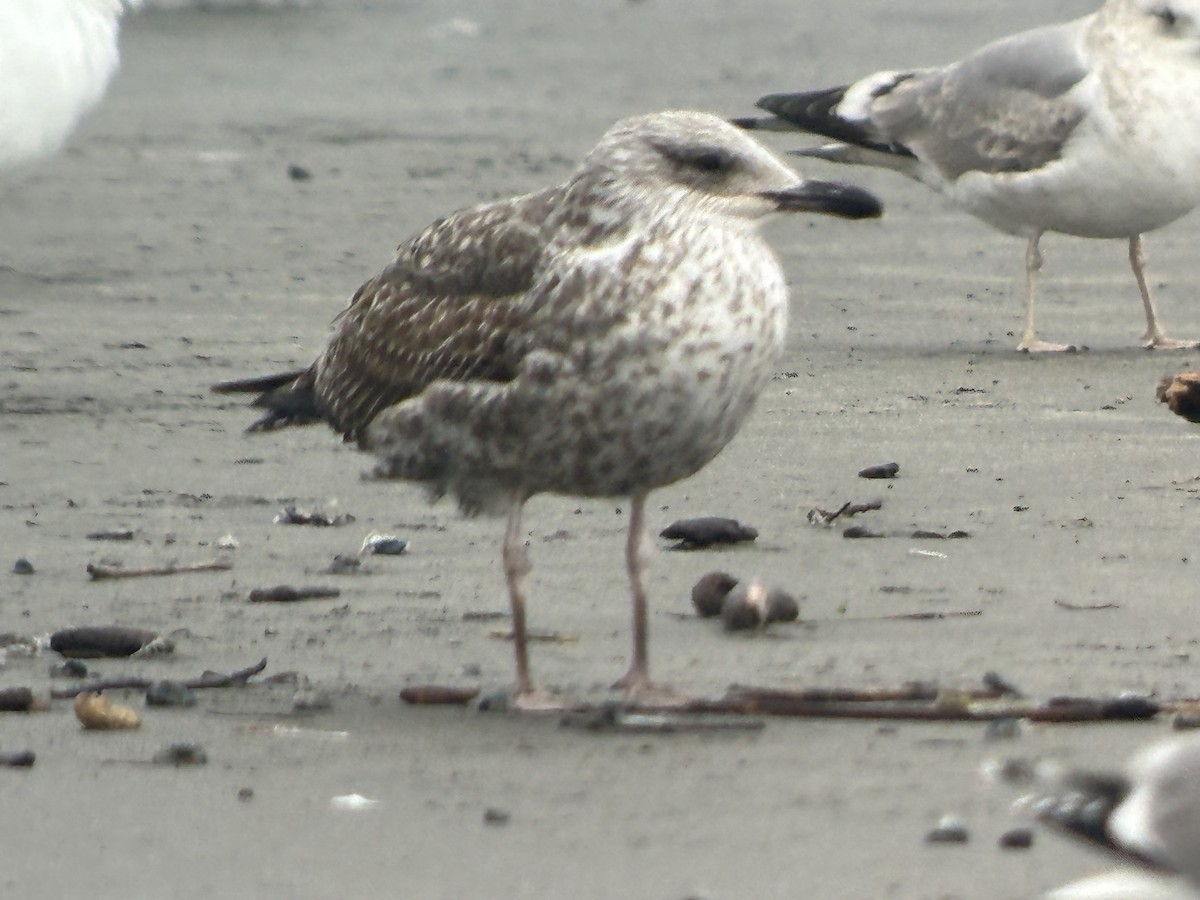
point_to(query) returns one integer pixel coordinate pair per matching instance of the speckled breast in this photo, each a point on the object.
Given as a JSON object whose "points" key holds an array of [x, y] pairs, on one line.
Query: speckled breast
{"points": [[648, 391]]}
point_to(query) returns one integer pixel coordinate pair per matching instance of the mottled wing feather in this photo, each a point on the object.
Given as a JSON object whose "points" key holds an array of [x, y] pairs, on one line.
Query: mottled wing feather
{"points": [[443, 309], [1006, 108]]}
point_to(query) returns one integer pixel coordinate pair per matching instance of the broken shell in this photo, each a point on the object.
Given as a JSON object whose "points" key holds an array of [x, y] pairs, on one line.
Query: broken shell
{"points": [[97, 713], [781, 607], [352, 803], [383, 544], [708, 594], [745, 607]]}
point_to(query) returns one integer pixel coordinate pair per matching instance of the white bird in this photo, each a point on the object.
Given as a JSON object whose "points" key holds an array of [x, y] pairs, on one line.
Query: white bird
{"points": [[599, 338], [1089, 128], [1149, 819], [57, 58]]}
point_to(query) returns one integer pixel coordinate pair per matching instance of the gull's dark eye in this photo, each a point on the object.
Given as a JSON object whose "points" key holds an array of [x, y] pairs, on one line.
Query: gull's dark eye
{"points": [[710, 160], [1165, 15]]}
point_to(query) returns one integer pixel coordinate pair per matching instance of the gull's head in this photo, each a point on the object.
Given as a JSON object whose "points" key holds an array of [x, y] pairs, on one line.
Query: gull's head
{"points": [[1173, 26], [703, 163]]}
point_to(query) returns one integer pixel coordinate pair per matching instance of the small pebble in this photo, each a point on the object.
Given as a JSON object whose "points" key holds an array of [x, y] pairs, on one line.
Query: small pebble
{"points": [[101, 640], [708, 594], [165, 692], [693, 534], [884, 470], [297, 172], [22, 566], [344, 564], [857, 531], [228, 542], [1017, 839], [1002, 729], [499, 700], [311, 700], [19, 759], [181, 753], [111, 534], [1186, 721], [246, 794], [494, 816], [1014, 770], [949, 830], [69, 668]]}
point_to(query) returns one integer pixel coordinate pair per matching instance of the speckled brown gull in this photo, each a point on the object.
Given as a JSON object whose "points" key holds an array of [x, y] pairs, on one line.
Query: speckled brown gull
{"points": [[1148, 819], [1089, 128], [600, 338]]}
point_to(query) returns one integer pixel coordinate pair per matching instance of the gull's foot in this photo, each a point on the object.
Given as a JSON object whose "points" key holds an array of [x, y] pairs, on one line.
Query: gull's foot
{"points": [[641, 692], [535, 700], [1036, 346], [1162, 342]]}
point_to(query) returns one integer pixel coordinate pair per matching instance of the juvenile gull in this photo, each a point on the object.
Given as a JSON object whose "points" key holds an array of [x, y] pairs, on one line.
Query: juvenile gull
{"points": [[1148, 819], [57, 58], [600, 338], [1089, 128]]}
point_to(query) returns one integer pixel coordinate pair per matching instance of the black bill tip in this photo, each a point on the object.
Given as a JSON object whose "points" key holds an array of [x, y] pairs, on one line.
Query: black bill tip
{"points": [[831, 198]]}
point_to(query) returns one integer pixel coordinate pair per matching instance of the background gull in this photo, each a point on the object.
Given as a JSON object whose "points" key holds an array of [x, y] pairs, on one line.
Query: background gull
{"points": [[57, 58], [1149, 820], [599, 338], [1089, 128]]}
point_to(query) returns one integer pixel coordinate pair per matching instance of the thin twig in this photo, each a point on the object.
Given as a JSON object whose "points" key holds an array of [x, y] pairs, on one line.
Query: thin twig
{"points": [[207, 680], [99, 571]]}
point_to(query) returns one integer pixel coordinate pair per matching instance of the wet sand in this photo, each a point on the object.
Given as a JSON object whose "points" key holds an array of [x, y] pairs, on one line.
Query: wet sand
{"points": [[167, 249]]}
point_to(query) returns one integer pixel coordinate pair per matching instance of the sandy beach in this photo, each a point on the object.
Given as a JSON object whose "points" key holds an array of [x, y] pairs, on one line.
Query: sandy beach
{"points": [[168, 248]]}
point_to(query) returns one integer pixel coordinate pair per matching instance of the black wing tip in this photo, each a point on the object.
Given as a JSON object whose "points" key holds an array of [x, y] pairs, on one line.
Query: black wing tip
{"points": [[257, 384], [804, 109]]}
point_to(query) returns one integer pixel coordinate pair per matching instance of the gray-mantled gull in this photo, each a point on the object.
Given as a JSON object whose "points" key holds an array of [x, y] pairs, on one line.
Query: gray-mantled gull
{"points": [[1089, 128], [600, 338], [57, 58], [1148, 819]]}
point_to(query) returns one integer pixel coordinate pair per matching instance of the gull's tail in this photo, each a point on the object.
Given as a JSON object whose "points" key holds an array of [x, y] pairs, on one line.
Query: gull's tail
{"points": [[288, 398]]}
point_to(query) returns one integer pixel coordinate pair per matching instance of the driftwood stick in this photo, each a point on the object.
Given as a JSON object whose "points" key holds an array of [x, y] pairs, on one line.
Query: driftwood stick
{"points": [[961, 709], [912, 691], [207, 680], [99, 572]]}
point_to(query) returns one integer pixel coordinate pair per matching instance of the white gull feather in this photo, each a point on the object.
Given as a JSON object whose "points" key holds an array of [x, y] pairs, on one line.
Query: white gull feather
{"points": [[57, 58]]}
